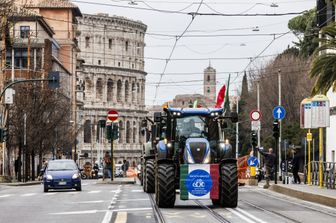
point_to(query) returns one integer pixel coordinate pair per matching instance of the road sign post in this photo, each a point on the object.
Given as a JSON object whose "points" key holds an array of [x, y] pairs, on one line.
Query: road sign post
{"points": [[279, 113], [112, 115]]}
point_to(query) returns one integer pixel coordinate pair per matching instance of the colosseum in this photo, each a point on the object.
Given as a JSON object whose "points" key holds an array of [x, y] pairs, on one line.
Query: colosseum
{"points": [[111, 76]]}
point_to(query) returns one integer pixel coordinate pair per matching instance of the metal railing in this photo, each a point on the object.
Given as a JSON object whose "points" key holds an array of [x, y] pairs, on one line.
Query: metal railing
{"points": [[328, 173]]}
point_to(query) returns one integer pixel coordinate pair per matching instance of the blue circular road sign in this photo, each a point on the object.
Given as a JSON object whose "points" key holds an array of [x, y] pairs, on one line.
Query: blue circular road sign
{"points": [[279, 112], [253, 161]]}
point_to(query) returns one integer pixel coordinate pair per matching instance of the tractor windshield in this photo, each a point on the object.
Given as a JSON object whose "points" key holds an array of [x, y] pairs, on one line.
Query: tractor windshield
{"points": [[192, 126]]}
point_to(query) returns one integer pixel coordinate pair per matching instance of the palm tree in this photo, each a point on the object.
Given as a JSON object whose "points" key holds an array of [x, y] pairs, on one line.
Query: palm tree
{"points": [[323, 67]]}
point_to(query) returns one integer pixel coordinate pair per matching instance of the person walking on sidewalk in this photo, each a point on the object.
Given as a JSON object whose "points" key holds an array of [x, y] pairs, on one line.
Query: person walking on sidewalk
{"points": [[296, 165], [107, 165], [269, 164]]}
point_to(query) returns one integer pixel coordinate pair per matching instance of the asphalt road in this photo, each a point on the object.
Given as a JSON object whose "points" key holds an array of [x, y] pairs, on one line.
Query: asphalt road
{"points": [[105, 203]]}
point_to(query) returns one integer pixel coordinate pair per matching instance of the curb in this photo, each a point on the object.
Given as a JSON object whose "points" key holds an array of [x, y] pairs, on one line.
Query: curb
{"points": [[21, 184], [315, 198]]}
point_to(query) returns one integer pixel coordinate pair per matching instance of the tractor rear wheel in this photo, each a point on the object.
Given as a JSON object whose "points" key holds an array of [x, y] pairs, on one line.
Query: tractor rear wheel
{"points": [[229, 185], [165, 193], [149, 178]]}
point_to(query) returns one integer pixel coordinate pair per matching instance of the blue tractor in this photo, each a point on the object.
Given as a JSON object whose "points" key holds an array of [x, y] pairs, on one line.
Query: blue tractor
{"points": [[187, 151]]}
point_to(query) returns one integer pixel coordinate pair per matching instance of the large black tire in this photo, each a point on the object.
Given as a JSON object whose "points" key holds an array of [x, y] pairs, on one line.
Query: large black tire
{"points": [[149, 180], [229, 185], [45, 188], [165, 192], [79, 187]]}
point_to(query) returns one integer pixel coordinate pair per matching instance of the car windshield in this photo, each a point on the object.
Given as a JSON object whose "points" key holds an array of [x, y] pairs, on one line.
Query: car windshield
{"points": [[192, 126], [61, 165]]}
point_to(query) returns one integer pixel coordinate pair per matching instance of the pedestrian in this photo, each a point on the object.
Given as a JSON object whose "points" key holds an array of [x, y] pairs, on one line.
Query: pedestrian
{"points": [[125, 167], [17, 167], [296, 165], [269, 164], [107, 163]]}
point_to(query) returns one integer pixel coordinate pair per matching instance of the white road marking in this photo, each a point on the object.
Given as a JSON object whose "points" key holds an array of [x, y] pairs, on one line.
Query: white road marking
{"points": [[89, 202], [76, 212], [107, 217], [6, 195], [240, 215], [94, 192], [48, 194], [28, 195], [134, 191], [121, 217], [139, 199], [250, 215], [133, 209]]}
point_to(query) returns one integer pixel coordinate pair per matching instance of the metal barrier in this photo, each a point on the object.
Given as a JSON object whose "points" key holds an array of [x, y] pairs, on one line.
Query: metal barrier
{"points": [[328, 171]]}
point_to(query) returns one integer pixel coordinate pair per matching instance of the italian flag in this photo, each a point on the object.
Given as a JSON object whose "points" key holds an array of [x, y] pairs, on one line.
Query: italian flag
{"points": [[199, 181]]}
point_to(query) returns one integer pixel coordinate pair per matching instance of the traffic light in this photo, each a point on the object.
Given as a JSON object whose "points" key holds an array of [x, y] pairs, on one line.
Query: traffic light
{"points": [[54, 79], [115, 131], [3, 134], [109, 132], [276, 129], [254, 139]]}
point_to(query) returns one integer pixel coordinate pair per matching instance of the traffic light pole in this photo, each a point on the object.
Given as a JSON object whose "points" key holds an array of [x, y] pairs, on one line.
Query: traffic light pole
{"points": [[112, 159], [276, 160]]}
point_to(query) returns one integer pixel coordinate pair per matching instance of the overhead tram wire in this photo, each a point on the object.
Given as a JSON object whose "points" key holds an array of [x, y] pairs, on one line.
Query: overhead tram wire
{"points": [[190, 13], [172, 51]]}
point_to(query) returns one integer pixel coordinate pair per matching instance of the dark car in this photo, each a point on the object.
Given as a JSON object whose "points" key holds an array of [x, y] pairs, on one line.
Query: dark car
{"points": [[62, 174]]}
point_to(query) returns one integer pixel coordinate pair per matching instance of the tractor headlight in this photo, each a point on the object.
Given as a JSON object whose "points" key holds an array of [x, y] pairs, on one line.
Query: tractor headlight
{"points": [[207, 159], [189, 157]]}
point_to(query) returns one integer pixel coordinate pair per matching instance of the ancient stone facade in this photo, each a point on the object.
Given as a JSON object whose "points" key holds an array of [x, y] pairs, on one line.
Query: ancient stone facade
{"points": [[208, 99], [111, 77]]}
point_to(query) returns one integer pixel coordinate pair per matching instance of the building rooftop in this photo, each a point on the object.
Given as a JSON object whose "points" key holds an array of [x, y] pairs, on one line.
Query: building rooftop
{"points": [[60, 4]]}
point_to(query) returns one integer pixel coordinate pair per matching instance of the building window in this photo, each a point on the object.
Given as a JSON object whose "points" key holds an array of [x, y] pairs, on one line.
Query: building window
{"points": [[24, 31], [87, 42], [126, 46], [118, 64], [138, 49], [87, 131], [110, 43], [119, 86], [128, 132], [109, 90], [126, 91], [99, 62], [208, 78], [208, 90], [182, 102], [99, 89], [121, 131]]}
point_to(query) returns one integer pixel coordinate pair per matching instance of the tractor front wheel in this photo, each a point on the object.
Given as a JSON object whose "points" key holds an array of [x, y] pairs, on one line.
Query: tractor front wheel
{"points": [[149, 176], [165, 186], [229, 185]]}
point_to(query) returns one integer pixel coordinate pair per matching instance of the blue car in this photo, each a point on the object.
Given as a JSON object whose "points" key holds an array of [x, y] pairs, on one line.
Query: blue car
{"points": [[62, 174]]}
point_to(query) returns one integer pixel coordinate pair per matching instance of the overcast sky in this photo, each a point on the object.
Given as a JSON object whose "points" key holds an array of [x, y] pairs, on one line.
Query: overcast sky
{"points": [[216, 48]]}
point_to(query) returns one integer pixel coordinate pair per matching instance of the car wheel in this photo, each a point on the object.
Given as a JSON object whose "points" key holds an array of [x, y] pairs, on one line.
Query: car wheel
{"points": [[79, 188], [45, 189]]}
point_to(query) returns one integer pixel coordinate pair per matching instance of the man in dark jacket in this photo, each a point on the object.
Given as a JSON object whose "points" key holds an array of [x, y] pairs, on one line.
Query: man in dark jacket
{"points": [[296, 165], [269, 164]]}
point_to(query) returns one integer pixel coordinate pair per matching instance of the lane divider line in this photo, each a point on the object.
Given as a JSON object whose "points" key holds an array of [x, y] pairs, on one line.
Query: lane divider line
{"points": [[250, 215], [239, 215]]}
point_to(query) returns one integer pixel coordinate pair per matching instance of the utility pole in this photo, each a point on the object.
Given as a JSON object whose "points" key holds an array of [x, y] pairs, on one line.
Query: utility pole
{"points": [[237, 129], [258, 108], [3, 66], [279, 147]]}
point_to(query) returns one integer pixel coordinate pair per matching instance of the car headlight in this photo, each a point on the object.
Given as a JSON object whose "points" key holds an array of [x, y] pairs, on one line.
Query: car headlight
{"points": [[75, 176], [49, 177]]}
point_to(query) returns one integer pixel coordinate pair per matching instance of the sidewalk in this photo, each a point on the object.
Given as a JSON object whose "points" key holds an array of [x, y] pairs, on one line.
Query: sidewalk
{"points": [[29, 183], [118, 180], [309, 193]]}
